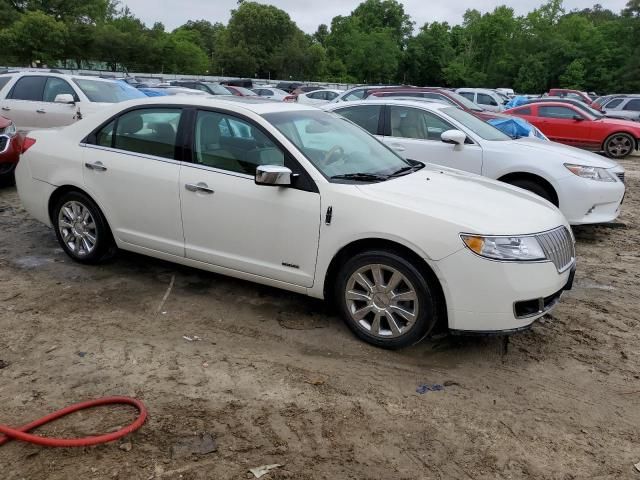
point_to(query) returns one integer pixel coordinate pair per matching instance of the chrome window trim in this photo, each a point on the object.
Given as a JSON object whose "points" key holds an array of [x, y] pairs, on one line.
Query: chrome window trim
{"points": [[167, 160]]}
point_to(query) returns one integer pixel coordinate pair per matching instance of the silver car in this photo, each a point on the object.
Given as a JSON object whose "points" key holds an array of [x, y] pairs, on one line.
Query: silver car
{"points": [[627, 107]]}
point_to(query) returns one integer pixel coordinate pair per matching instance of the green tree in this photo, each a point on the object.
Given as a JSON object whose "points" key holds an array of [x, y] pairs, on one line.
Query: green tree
{"points": [[37, 37]]}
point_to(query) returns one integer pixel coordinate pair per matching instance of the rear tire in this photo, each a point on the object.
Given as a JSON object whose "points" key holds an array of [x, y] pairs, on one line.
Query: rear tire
{"points": [[534, 187], [385, 300], [81, 229], [619, 145]]}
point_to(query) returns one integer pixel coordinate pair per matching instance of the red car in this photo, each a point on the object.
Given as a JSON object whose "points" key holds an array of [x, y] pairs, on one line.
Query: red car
{"points": [[10, 147], [567, 124], [440, 94]]}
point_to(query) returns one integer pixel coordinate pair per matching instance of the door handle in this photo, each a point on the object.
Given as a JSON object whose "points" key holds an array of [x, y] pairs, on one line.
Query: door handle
{"points": [[41, 110], [98, 166], [6, 109], [397, 147], [199, 187]]}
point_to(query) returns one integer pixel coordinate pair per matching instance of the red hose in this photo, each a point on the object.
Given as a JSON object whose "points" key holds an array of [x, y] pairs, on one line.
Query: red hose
{"points": [[20, 433]]}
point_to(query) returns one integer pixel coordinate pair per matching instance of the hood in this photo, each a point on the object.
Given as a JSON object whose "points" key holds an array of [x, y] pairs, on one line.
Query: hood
{"points": [[474, 203], [564, 153], [618, 122]]}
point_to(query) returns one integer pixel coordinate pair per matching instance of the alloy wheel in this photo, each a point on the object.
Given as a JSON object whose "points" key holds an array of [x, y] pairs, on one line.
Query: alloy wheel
{"points": [[382, 301], [620, 146], [77, 228]]}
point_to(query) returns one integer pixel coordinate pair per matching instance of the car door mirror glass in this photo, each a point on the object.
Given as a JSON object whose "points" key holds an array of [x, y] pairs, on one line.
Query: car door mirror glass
{"points": [[275, 175], [455, 137], [64, 98]]}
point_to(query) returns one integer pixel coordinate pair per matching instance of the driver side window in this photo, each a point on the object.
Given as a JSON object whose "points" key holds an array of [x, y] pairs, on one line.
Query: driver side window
{"points": [[230, 143], [407, 122], [557, 112]]}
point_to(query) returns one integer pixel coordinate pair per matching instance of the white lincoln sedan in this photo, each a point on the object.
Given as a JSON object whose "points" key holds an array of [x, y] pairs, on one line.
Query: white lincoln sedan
{"points": [[304, 200], [586, 187]]}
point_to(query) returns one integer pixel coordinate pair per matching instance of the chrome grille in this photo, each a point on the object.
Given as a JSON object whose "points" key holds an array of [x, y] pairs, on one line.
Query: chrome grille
{"points": [[620, 176], [558, 246]]}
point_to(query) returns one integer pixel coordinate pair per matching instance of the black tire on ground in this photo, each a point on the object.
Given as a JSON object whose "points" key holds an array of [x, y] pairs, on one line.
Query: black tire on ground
{"points": [[425, 294], [104, 246], [619, 145], [533, 187]]}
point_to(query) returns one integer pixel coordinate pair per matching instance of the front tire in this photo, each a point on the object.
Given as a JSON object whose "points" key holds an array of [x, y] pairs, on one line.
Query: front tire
{"points": [[385, 300], [619, 145], [81, 229], [533, 187]]}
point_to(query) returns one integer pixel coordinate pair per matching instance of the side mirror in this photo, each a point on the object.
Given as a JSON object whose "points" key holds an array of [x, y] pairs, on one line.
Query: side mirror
{"points": [[456, 137], [65, 98], [578, 118], [274, 175]]}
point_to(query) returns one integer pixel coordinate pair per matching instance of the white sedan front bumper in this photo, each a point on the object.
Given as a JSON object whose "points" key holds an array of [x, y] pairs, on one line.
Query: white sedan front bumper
{"points": [[486, 296]]}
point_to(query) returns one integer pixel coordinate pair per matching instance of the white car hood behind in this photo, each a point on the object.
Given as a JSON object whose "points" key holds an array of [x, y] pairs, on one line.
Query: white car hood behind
{"points": [[476, 204], [571, 154]]}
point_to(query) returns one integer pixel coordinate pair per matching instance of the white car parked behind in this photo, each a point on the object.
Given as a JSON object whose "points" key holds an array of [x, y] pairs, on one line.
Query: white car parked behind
{"points": [[271, 93], [318, 97], [586, 187], [485, 98], [47, 100], [293, 197]]}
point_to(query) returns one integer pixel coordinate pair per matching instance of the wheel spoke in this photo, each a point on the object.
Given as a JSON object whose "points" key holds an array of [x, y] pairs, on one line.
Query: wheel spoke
{"points": [[375, 325], [360, 314], [91, 238], [395, 280], [378, 278], [395, 329], [409, 296], [69, 214], [64, 224], [358, 296], [362, 280], [85, 243], [408, 316]]}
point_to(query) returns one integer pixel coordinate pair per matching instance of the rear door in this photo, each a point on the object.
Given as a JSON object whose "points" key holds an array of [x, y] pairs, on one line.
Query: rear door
{"points": [[415, 134], [130, 168], [23, 103]]}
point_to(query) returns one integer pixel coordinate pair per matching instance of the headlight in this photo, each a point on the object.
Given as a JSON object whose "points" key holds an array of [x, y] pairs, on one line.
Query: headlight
{"points": [[9, 130], [592, 173], [505, 248]]}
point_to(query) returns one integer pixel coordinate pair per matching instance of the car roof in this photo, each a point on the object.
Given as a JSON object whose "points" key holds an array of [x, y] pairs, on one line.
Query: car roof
{"points": [[478, 90], [393, 101], [30, 73], [555, 103], [255, 105]]}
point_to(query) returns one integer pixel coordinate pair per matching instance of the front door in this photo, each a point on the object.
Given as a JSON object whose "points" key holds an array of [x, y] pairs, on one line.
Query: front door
{"points": [[23, 103], [131, 171], [415, 134], [564, 124], [231, 222]]}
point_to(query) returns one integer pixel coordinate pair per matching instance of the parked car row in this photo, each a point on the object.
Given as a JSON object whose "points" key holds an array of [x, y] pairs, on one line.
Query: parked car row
{"points": [[401, 246]]}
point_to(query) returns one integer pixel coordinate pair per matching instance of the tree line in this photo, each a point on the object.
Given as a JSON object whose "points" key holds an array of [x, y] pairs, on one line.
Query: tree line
{"points": [[590, 49]]}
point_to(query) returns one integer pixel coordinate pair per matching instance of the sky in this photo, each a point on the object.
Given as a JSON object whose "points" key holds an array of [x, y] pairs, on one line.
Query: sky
{"points": [[308, 14]]}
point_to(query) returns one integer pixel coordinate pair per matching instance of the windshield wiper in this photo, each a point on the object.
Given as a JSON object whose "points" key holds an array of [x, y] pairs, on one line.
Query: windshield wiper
{"points": [[362, 177], [408, 169]]}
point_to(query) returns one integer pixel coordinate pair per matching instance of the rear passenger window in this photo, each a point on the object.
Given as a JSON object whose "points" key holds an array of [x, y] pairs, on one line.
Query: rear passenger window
{"points": [[150, 131], [28, 88], [365, 116], [614, 103], [229, 143], [633, 105]]}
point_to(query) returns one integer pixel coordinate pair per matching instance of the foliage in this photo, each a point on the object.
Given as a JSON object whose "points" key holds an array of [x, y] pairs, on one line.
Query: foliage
{"points": [[592, 48]]}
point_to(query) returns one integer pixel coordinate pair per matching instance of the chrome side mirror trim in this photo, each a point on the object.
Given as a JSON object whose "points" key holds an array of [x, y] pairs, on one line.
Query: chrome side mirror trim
{"points": [[274, 175]]}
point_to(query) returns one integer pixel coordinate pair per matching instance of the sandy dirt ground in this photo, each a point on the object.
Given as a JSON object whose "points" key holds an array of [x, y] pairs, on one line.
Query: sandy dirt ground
{"points": [[278, 379]]}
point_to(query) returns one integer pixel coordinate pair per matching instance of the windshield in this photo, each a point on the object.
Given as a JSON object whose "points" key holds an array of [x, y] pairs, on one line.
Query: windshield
{"points": [[335, 146], [108, 92], [468, 104], [591, 111], [477, 126], [246, 92], [217, 89]]}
